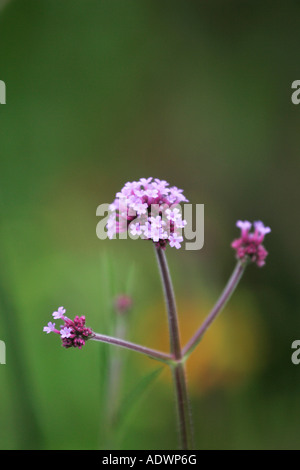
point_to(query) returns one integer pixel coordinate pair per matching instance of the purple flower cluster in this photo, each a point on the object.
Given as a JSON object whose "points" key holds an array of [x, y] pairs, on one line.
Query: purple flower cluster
{"points": [[148, 209], [73, 333], [249, 246], [123, 303]]}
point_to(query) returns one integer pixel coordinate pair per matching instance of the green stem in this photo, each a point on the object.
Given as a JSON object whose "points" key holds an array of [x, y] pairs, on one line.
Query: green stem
{"points": [[179, 380], [152, 353], [220, 304]]}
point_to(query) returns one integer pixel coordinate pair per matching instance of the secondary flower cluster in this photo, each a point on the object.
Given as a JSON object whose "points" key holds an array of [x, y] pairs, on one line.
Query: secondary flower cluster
{"points": [[249, 246], [73, 333], [147, 208]]}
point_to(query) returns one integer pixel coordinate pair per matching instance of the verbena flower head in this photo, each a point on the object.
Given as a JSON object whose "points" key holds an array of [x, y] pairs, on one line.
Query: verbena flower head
{"points": [[148, 209], [123, 303], [73, 333], [249, 246]]}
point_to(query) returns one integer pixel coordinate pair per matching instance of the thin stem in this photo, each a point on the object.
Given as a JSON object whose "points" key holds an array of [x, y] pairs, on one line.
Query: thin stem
{"points": [[115, 374], [170, 303], [183, 406], [182, 401], [114, 380], [159, 356], [220, 304]]}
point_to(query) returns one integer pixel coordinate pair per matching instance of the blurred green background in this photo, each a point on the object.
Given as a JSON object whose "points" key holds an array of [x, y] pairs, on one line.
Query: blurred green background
{"points": [[104, 92]]}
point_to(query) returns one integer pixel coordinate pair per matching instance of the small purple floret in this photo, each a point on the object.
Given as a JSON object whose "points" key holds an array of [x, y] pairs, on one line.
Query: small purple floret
{"points": [[49, 328], [59, 314]]}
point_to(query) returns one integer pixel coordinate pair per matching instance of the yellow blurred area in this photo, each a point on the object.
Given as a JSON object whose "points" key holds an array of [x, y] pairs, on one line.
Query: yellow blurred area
{"points": [[231, 351]]}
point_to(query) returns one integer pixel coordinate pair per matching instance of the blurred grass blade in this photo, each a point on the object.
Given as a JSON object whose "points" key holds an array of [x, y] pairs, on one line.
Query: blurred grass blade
{"points": [[26, 413], [134, 398]]}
